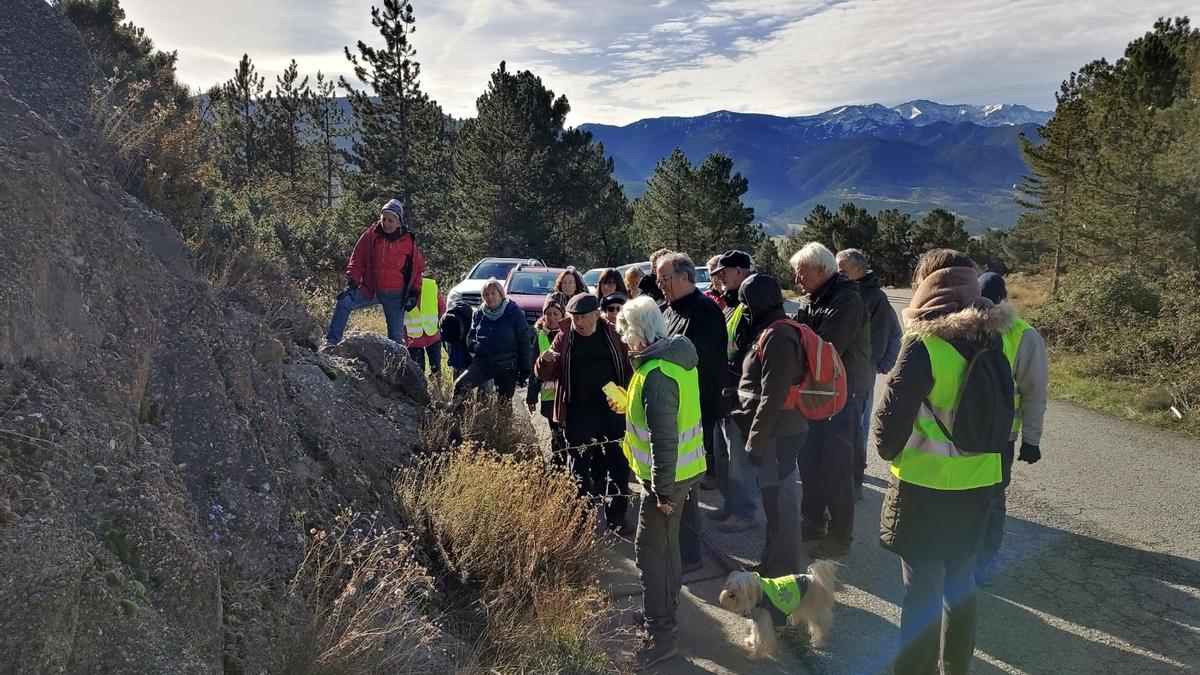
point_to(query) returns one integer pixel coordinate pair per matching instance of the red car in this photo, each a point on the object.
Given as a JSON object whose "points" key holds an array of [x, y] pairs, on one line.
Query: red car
{"points": [[529, 286]]}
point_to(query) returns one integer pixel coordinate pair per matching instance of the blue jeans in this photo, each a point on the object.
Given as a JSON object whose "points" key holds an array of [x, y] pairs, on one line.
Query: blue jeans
{"points": [[735, 474], [348, 301], [860, 450], [435, 357]]}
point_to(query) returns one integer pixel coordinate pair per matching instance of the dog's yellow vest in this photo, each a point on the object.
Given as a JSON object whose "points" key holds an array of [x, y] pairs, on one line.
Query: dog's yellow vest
{"points": [[783, 592]]}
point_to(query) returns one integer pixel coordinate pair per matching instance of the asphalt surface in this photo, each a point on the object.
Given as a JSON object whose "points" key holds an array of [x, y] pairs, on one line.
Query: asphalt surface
{"points": [[1100, 573]]}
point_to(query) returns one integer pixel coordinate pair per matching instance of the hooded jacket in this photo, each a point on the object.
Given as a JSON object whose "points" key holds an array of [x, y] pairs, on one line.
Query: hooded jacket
{"points": [[916, 520], [555, 364], [660, 395], [765, 381], [361, 268], [885, 326], [501, 345], [701, 321], [836, 312]]}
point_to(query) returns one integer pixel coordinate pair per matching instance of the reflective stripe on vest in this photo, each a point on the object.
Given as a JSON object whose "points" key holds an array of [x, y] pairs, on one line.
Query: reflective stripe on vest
{"points": [[929, 459], [783, 592], [548, 388], [731, 331], [422, 320], [689, 460], [1012, 341]]}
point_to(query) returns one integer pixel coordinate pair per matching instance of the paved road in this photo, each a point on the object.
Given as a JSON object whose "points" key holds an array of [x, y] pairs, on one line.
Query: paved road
{"points": [[1101, 566]]}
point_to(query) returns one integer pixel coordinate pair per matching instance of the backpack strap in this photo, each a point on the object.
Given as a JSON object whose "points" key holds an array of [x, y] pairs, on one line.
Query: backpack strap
{"points": [[989, 347]]}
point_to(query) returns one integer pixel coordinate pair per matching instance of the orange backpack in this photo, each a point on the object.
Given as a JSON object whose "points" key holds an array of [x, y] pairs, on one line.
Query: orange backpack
{"points": [[822, 393]]}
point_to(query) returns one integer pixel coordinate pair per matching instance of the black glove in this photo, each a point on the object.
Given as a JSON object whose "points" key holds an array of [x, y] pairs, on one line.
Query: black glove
{"points": [[1029, 453], [411, 300], [755, 458], [523, 378]]}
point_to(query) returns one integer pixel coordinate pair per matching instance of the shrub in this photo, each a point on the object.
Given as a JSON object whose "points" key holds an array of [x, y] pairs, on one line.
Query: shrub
{"points": [[358, 604], [514, 531]]}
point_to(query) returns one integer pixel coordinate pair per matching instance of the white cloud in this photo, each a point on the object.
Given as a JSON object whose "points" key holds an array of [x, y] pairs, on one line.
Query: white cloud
{"points": [[622, 60]]}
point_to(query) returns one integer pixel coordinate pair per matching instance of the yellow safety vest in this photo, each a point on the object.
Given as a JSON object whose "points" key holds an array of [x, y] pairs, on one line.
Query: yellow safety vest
{"points": [[1012, 340], [929, 459], [422, 320], [783, 592], [548, 388], [731, 330], [689, 460]]}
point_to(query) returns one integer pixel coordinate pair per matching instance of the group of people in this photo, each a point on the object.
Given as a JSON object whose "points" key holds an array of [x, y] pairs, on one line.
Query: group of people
{"points": [[689, 390]]}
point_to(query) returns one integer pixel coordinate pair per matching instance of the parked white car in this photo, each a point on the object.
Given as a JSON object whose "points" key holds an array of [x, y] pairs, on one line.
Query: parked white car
{"points": [[470, 289]]}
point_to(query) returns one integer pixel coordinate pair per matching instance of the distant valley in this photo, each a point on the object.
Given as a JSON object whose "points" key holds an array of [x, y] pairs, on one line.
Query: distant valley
{"points": [[913, 157]]}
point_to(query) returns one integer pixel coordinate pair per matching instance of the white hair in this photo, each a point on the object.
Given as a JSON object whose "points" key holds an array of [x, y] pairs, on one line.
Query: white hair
{"points": [[815, 255], [681, 263], [641, 321], [854, 257]]}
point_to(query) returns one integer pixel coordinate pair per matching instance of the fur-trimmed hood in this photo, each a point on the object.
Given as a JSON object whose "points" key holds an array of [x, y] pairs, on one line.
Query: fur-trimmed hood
{"points": [[974, 324]]}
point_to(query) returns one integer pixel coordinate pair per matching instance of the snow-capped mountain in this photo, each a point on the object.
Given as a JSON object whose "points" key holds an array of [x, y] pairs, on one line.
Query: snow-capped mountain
{"points": [[921, 113]]}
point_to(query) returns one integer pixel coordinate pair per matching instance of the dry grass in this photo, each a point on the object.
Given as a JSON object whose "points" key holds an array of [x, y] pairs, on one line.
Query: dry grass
{"points": [[515, 531], [1028, 291], [364, 601]]}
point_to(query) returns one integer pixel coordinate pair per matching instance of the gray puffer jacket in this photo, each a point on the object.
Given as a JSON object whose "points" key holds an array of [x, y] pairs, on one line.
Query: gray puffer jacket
{"points": [[660, 395]]}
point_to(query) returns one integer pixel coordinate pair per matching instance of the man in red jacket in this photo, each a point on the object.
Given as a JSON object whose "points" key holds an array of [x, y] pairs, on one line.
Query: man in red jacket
{"points": [[385, 268]]}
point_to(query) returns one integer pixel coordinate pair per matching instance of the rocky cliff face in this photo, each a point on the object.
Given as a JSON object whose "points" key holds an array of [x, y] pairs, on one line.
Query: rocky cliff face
{"points": [[165, 442]]}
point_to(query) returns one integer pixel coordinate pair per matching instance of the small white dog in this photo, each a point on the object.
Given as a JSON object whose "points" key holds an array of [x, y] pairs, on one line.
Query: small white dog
{"points": [[794, 599]]}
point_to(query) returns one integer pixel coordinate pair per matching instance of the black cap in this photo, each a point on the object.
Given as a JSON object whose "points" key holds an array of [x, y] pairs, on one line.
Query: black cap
{"points": [[733, 258], [617, 298], [582, 304]]}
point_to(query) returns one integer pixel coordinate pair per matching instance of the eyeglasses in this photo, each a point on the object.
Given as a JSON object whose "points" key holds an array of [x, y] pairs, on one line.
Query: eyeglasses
{"points": [[664, 279], [612, 309]]}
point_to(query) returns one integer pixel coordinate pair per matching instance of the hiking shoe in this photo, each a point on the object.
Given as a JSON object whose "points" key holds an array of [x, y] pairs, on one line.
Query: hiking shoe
{"points": [[810, 532], [716, 514], [736, 524], [654, 651], [829, 549]]}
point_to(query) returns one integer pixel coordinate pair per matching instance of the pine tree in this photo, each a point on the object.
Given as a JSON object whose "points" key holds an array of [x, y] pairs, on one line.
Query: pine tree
{"points": [[892, 255], [328, 125], [665, 215], [938, 229], [239, 121], [396, 123], [818, 226], [725, 222], [286, 117], [768, 260]]}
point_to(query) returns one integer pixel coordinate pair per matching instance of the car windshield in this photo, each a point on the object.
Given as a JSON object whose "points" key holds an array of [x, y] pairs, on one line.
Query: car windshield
{"points": [[592, 276], [532, 283], [702, 275], [490, 269]]}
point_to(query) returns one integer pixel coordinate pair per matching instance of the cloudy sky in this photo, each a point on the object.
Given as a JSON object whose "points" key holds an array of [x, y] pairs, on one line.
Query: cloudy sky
{"points": [[618, 61]]}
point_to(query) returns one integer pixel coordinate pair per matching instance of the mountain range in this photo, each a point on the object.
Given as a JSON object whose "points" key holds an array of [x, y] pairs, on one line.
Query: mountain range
{"points": [[913, 157]]}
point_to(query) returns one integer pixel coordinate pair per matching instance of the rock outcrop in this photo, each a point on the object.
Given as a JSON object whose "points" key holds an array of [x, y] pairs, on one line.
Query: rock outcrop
{"points": [[165, 444]]}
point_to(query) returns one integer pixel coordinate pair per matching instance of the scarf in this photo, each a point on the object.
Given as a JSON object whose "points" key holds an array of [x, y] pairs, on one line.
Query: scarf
{"points": [[494, 314], [948, 290]]}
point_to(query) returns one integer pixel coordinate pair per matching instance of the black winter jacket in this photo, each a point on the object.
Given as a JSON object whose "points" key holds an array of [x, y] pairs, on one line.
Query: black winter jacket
{"points": [[916, 520], [885, 327], [836, 312], [701, 321]]}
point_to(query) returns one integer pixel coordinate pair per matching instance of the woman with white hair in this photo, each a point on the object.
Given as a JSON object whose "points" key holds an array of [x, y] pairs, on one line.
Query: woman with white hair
{"points": [[500, 344], [664, 443]]}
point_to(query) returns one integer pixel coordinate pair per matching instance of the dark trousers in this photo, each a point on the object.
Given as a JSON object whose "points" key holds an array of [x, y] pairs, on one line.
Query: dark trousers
{"points": [[435, 357], [656, 550], [593, 434], [827, 471], [689, 534], [783, 552], [993, 534], [477, 374], [937, 620]]}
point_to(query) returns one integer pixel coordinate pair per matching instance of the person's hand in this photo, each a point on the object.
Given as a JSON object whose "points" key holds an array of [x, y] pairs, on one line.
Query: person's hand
{"points": [[755, 458], [410, 301], [1029, 453], [523, 378], [532, 408], [614, 406], [664, 504]]}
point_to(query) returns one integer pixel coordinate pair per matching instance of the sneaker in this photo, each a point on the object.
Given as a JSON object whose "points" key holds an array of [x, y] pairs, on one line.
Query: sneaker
{"points": [[717, 514], [653, 652], [737, 524], [829, 549]]}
